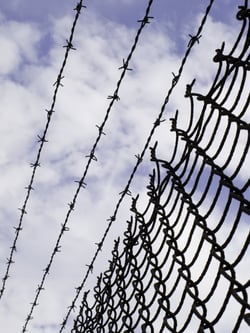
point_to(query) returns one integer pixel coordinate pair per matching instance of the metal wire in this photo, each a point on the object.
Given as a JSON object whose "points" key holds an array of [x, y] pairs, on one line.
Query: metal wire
{"points": [[139, 157], [173, 271], [91, 157], [42, 140]]}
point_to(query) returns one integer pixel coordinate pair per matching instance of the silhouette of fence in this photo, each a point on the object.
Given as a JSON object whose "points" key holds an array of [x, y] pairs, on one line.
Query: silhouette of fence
{"points": [[178, 268]]}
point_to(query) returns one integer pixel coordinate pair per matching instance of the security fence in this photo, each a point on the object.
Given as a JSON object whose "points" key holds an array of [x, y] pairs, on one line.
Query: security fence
{"points": [[179, 265]]}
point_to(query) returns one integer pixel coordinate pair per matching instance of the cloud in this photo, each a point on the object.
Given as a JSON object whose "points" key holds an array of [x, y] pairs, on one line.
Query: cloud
{"points": [[18, 44], [91, 74]]}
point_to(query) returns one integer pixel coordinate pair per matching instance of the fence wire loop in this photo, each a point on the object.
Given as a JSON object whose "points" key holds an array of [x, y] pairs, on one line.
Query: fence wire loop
{"points": [[173, 271]]}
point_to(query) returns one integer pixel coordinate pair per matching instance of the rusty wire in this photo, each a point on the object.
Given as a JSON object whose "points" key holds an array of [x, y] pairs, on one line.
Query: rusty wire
{"points": [[159, 258]]}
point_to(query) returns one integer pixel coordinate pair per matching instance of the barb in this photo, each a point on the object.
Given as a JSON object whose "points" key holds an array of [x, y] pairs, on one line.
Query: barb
{"points": [[157, 122]]}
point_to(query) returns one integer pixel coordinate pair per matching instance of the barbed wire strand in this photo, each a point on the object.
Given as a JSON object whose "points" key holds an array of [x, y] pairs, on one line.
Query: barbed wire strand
{"points": [[120, 295], [42, 140], [91, 157], [126, 191]]}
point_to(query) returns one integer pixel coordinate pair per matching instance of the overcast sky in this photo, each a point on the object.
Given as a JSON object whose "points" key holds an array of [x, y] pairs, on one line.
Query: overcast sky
{"points": [[32, 34]]}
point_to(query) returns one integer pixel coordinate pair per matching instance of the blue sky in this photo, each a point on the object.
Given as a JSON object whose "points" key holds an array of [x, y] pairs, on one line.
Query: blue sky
{"points": [[31, 39], [178, 11]]}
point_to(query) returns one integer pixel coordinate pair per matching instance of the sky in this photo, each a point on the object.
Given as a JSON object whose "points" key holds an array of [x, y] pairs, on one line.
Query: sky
{"points": [[31, 38]]}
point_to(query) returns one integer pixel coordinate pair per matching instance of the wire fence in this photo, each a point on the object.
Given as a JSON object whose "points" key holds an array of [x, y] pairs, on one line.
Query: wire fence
{"points": [[90, 158], [179, 266], [193, 39]]}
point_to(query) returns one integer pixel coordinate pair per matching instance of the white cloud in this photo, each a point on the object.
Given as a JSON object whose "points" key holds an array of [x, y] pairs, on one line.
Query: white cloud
{"points": [[90, 76], [18, 45]]}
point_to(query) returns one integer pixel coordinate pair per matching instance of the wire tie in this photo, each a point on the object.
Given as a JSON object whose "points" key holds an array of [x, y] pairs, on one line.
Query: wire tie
{"points": [[64, 228], [139, 158], [58, 248], [81, 183], [29, 187], [79, 6], [100, 129], [9, 261], [111, 219], [18, 229], [125, 66], [158, 122], [41, 139], [193, 40], [23, 211], [175, 79], [46, 270], [114, 97], [71, 205], [146, 19], [90, 267], [126, 191], [244, 12], [189, 87], [49, 113], [63, 323], [92, 156], [34, 165], [40, 288], [99, 245], [58, 81], [71, 307], [78, 289], [69, 45]]}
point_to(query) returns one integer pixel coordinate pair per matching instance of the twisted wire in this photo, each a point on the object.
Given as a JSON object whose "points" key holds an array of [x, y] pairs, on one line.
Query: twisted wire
{"points": [[91, 157], [42, 141], [173, 271], [139, 157]]}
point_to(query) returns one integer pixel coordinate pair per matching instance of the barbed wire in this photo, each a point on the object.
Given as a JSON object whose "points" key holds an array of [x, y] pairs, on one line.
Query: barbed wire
{"points": [[91, 157], [126, 191], [161, 253], [42, 140]]}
